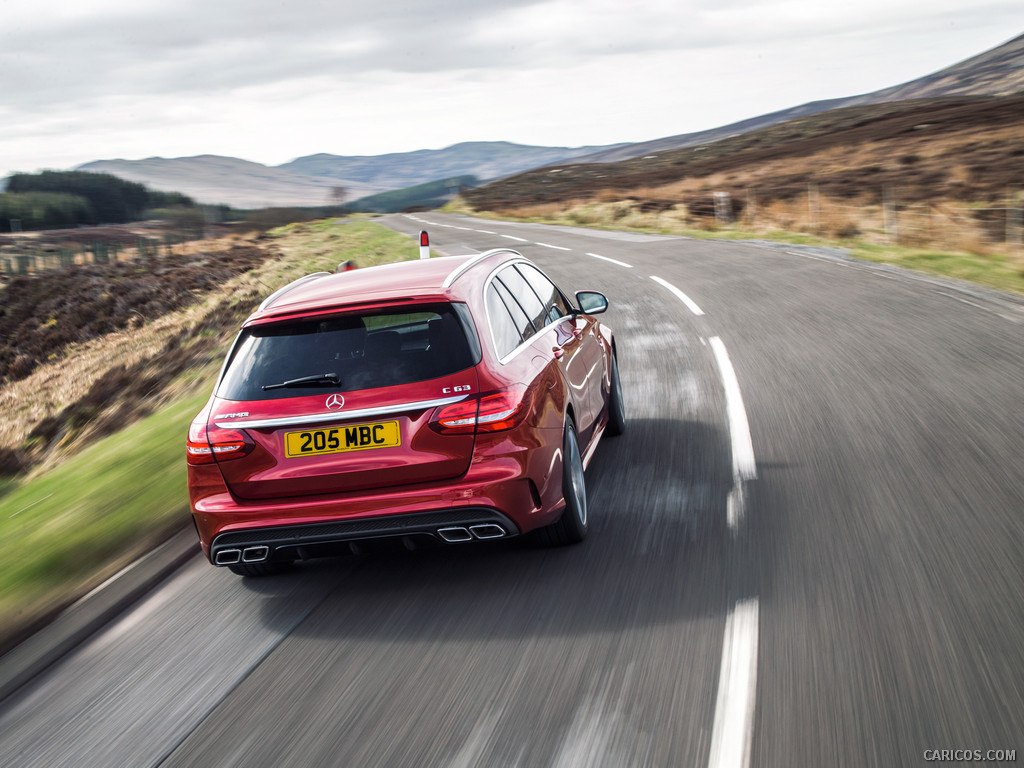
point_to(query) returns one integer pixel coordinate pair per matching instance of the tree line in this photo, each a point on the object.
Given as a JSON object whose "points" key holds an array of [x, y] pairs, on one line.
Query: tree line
{"points": [[61, 199]]}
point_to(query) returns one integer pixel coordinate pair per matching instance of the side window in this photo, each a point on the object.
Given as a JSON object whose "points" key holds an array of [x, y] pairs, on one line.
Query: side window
{"points": [[554, 304], [506, 335], [527, 297], [515, 308]]}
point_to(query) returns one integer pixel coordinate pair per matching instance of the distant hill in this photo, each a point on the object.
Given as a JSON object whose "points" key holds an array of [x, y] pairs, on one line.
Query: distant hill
{"points": [[997, 72], [483, 159], [432, 194], [228, 180], [308, 181]]}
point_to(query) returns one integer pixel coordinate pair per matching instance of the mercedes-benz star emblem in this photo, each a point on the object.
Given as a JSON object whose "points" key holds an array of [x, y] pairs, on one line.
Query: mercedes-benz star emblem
{"points": [[335, 402]]}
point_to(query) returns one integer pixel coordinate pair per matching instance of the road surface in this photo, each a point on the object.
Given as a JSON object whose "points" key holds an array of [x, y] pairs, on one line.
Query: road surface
{"points": [[805, 550]]}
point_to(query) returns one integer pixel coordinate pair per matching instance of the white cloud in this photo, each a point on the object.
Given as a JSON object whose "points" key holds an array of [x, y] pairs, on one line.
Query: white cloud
{"points": [[270, 81]]}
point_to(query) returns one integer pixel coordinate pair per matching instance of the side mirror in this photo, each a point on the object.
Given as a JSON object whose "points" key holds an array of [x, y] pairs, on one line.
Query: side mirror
{"points": [[591, 302]]}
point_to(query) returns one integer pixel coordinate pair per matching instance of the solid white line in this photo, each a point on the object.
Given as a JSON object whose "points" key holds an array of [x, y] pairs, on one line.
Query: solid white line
{"points": [[517, 239], [613, 261], [556, 247], [679, 295], [743, 466], [737, 688]]}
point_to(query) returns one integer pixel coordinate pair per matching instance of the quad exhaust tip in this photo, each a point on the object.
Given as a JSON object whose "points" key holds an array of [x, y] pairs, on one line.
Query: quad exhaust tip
{"points": [[487, 531], [255, 554], [228, 557], [457, 534], [247, 555]]}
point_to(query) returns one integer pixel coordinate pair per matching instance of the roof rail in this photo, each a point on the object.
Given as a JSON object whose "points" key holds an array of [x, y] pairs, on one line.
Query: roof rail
{"points": [[462, 268], [293, 284]]}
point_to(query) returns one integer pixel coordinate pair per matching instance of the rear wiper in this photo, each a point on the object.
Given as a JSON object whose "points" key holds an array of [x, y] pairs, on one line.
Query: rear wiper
{"points": [[319, 378]]}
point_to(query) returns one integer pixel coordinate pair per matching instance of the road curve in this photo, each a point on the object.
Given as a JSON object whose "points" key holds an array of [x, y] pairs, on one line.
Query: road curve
{"points": [[805, 550]]}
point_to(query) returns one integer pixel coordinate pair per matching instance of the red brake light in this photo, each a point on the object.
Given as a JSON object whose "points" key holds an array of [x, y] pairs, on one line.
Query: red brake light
{"points": [[489, 413], [458, 419], [207, 445]]}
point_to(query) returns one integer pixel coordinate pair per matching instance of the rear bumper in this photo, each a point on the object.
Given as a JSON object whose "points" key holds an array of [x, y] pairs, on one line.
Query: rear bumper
{"points": [[296, 542], [513, 489]]}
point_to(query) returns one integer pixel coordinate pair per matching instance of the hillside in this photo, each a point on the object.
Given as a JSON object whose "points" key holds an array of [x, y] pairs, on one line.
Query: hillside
{"points": [[967, 147], [940, 174]]}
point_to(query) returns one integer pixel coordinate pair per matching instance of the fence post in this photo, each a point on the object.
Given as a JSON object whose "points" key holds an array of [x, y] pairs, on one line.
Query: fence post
{"points": [[723, 207], [891, 226], [1015, 219], [813, 206]]}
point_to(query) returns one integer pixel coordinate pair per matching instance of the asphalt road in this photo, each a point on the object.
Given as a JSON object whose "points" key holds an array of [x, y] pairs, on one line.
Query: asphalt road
{"points": [[805, 550]]}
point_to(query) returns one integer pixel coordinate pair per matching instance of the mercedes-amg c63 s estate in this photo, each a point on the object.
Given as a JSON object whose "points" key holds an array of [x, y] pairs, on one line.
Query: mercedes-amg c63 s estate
{"points": [[457, 398]]}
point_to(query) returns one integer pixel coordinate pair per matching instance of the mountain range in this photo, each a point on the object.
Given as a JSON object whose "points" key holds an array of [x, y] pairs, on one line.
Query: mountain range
{"points": [[316, 179]]}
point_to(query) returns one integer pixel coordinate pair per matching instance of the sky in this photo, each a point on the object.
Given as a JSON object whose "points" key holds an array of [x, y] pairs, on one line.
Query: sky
{"points": [[272, 80]]}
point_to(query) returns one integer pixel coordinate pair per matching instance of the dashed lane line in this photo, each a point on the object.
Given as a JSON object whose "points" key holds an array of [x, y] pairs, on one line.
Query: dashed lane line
{"points": [[679, 295], [613, 261], [737, 689]]}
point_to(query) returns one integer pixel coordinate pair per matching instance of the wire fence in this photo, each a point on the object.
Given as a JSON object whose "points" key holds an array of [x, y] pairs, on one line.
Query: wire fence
{"points": [[31, 258], [899, 223]]}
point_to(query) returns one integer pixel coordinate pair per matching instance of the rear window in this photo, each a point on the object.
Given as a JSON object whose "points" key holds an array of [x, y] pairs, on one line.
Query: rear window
{"points": [[348, 352]]}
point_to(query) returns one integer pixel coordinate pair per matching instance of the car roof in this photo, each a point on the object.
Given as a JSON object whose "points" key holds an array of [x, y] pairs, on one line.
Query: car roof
{"points": [[437, 278]]}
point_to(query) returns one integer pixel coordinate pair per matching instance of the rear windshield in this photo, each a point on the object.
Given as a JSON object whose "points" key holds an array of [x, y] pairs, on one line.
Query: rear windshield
{"points": [[347, 352]]}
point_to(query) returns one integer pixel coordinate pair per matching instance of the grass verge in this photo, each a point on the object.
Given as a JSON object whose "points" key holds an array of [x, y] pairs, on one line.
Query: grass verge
{"points": [[72, 523], [1003, 270]]}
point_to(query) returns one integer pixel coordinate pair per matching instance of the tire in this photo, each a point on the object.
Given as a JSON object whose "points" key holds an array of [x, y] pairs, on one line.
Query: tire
{"points": [[256, 570], [616, 407], [572, 526]]}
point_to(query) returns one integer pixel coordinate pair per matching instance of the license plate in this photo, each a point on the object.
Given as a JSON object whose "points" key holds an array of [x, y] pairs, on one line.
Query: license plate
{"points": [[359, 437]]}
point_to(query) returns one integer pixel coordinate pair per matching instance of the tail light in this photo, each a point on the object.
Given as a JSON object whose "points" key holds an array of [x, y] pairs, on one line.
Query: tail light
{"points": [[489, 413], [209, 444]]}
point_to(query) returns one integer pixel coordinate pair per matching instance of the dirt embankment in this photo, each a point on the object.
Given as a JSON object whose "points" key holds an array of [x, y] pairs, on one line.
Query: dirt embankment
{"points": [[87, 348]]}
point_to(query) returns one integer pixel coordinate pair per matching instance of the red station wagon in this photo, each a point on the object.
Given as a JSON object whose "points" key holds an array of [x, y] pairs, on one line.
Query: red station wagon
{"points": [[456, 398]]}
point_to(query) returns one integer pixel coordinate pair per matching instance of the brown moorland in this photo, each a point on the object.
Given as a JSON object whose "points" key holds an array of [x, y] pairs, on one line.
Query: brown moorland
{"points": [[965, 152]]}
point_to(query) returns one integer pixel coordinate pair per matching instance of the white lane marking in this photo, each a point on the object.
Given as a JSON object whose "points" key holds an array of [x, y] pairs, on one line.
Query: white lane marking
{"points": [[485, 232], [743, 465], [679, 295], [737, 688], [556, 247], [613, 261], [517, 239]]}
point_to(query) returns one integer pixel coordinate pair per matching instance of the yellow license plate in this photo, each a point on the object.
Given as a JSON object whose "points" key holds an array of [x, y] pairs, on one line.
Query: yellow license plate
{"points": [[359, 437]]}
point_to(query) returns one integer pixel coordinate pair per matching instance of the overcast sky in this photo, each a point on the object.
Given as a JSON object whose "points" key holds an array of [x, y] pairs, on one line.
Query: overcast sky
{"points": [[270, 81]]}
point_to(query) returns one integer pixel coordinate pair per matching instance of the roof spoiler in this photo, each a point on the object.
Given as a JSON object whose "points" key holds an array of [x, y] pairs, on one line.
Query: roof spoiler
{"points": [[293, 284]]}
